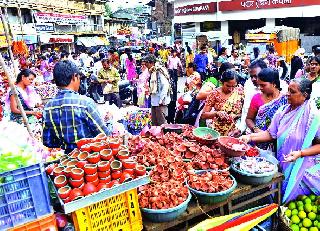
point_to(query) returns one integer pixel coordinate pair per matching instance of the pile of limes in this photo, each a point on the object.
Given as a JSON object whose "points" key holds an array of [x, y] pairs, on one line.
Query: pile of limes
{"points": [[304, 213]]}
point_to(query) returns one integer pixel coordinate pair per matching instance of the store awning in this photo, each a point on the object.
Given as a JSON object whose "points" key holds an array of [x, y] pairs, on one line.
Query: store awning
{"points": [[90, 41]]}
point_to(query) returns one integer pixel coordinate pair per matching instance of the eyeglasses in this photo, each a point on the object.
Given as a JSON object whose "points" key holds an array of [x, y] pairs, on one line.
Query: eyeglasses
{"points": [[314, 64]]}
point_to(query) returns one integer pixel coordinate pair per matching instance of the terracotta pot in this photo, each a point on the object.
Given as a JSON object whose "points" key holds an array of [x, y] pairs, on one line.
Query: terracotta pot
{"points": [[64, 157], [64, 163], [64, 192], [129, 171], [104, 145], [90, 169], [97, 147], [116, 175], [67, 200], [91, 178], [114, 143], [72, 163], [86, 148], [67, 171], [76, 183], [50, 168], [105, 180], [83, 156], [57, 171], [81, 186], [106, 154], [75, 194], [123, 147], [60, 181], [94, 158], [81, 164], [104, 166], [77, 173], [83, 142], [74, 154], [125, 177], [102, 186], [104, 174], [129, 164], [116, 165], [100, 137], [96, 182], [89, 188], [123, 155], [140, 170], [115, 151]]}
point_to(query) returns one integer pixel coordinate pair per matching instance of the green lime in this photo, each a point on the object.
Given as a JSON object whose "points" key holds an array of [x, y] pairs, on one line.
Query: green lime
{"points": [[295, 219], [303, 229], [288, 213], [318, 225], [300, 224], [312, 216], [307, 201], [292, 205], [313, 197], [299, 203], [315, 209], [315, 223], [302, 214], [313, 229], [318, 218], [307, 222], [300, 208], [294, 212], [295, 227], [307, 208]]}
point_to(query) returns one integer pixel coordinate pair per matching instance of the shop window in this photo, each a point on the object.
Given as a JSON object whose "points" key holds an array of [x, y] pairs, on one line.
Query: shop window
{"points": [[210, 26]]}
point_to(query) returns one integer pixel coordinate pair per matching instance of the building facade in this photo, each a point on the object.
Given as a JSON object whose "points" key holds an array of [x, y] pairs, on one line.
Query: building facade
{"points": [[227, 21], [54, 23]]}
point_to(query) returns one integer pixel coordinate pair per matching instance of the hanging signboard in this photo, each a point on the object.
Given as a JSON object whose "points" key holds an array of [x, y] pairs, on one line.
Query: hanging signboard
{"points": [[29, 39], [203, 8], [48, 38], [263, 4], [45, 27], [58, 18]]}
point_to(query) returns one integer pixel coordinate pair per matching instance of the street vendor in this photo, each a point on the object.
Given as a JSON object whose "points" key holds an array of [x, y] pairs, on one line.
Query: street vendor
{"points": [[296, 127], [70, 116], [109, 77]]}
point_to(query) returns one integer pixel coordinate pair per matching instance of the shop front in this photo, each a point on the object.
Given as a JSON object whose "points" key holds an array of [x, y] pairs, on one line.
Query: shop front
{"points": [[57, 42], [30, 40]]}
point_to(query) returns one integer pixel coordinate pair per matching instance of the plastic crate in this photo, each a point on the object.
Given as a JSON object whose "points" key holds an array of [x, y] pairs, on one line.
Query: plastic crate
{"points": [[46, 223], [24, 197], [120, 212]]}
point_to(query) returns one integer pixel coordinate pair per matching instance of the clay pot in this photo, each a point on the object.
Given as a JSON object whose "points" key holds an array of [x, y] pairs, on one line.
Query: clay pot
{"points": [[57, 171], [96, 182], [114, 143], [97, 147], [140, 170], [74, 154], [90, 169], [64, 162], [75, 194], [104, 174], [123, 147], [125, 177], [83, 156], [81, 186], [64, 192], [67, 200], [89, 188], [94, 158], [102, 186], [100, 137], [60, 181], [116, 175], [86, 148], [64, 157], [72, 163], [104, 166], [106, 154], [50, 168], [67, 171], [123, 154], [91, 178], [105, 180], [115, 151], [77, 173], [129, 171], [76, 183], [116, 165], [81, 164], [83, 142], [129, 164]]}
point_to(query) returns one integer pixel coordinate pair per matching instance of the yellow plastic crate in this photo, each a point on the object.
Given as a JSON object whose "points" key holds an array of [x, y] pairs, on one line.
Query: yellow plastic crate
{"points": [[118, 213]]}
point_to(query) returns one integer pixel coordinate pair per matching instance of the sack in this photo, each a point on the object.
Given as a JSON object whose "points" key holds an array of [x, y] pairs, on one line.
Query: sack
{"points": [[191, 114]]}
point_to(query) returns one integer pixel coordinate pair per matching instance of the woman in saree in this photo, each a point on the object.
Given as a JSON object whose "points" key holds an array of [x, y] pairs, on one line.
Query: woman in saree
{"points": [[142, 86], [296, 128], [224, 104], [264, 105]]}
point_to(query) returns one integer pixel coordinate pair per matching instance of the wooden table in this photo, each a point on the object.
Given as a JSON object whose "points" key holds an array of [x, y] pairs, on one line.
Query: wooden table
{"points": [[225, 207]]}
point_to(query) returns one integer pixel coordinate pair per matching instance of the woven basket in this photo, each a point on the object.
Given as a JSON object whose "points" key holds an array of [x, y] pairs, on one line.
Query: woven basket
{"points": [[282, 224]]}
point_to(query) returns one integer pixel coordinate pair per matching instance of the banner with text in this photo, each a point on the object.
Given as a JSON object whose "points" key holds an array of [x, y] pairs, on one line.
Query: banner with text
{"points": [[203, 8], [58, 18]]}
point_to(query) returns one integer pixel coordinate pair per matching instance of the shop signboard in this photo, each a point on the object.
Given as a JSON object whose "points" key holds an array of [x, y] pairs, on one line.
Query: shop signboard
{"points": [[29, 39], [45, 27], [43, 17], [204, 8], [236, 5], [48, 38]]}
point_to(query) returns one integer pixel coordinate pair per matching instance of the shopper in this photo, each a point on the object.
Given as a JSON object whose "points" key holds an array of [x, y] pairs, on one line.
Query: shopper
{"points": [[131, 68], [201, 61], [159, 91], [142, 86], [109, 77], [70, 117], [223, 57]]}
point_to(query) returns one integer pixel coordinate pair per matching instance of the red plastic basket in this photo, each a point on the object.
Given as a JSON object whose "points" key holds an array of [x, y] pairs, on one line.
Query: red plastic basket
{"points": [[46, 223]]}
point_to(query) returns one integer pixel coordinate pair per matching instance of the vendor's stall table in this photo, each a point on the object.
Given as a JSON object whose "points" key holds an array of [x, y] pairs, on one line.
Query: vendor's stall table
{"points": [[225, 207]]}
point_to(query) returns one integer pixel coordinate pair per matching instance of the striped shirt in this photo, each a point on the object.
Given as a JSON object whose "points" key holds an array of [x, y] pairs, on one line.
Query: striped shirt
{"points": [[70, 117]]}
